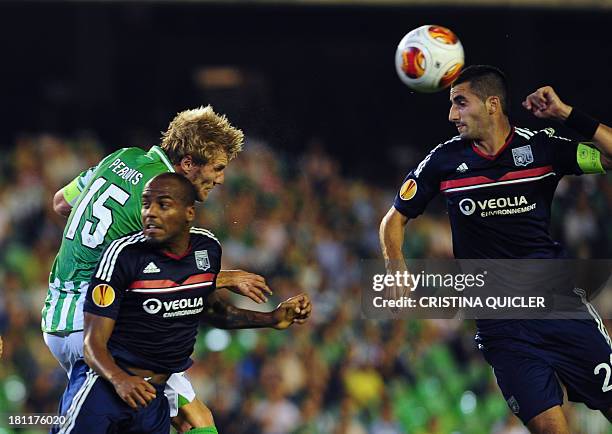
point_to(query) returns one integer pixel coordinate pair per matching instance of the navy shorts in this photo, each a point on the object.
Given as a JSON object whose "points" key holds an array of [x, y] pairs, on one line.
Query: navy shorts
{"points": [[95, 408], [530, 357]]}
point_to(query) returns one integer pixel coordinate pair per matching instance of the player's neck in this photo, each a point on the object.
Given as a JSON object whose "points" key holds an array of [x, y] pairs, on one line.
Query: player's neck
{"points": [[178, 247], [496, 138]]}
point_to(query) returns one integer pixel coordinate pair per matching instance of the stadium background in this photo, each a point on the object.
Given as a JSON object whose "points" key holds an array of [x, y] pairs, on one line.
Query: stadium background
{"points": [[330, 133]]}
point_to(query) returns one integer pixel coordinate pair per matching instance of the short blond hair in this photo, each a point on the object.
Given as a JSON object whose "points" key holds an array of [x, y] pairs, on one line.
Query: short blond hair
{"points": [[201, 133]]}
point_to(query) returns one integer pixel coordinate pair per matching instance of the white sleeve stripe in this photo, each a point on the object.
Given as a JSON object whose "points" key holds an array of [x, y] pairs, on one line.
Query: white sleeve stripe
{"points": [[109, 252], [205, 232], [139, 239], [423, 163], [525, 131], [106, 272], [523, 135]]}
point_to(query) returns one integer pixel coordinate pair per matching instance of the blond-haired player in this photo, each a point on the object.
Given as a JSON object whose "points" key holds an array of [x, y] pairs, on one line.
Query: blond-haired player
{"points": [[103, 204]]}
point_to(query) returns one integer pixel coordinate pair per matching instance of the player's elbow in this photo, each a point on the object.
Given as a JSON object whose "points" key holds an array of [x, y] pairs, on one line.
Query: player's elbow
{"points": [[60, 205]]}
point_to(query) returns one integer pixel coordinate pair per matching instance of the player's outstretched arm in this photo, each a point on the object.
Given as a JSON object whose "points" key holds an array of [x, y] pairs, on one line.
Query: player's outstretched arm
{"points": [[134, 390], [241, 282], [227, 316], [544, 103]]}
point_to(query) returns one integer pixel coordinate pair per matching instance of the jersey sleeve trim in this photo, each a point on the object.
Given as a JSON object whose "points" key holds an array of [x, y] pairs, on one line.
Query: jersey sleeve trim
{"points": [[109, 257], [205, 232], [589, 159], [423, 163]]}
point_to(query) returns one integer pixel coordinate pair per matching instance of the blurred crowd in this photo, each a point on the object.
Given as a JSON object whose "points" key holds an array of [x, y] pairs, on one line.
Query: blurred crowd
{"points": [[300, 222]]}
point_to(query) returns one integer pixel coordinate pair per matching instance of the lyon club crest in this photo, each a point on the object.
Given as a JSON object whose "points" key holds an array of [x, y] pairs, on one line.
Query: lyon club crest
{"points": [[522, 155], [202, 261]]}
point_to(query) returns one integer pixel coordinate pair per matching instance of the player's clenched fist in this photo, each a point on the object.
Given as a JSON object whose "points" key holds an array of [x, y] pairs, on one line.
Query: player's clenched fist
{"points": [[544, 103], [134, 390], [293, 310]]}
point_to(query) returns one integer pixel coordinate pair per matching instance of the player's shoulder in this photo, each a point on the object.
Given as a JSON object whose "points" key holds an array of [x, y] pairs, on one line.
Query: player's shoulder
{"points": [[141, 158], [132, 167], [536, 137], [124, 250], [126, 244], [128, 152], [448, 145], [440, 153], [205, 237], [122, 157]]}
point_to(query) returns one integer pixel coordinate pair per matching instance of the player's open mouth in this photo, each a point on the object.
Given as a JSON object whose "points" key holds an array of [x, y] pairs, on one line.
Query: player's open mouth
{"points": [[151, 229]]}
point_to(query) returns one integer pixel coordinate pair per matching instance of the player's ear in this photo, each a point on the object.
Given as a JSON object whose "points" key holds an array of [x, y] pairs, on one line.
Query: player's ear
{"points": [[190, 213], [493, 104], [186, 164]]}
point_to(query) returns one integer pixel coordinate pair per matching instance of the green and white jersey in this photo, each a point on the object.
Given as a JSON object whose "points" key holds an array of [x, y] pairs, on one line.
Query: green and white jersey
{"points": [[106, 202]]}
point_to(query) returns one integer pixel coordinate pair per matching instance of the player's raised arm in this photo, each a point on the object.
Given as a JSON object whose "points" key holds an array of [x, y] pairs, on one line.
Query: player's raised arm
{"points": [[544, 103], [134, 390], [227, 316]]}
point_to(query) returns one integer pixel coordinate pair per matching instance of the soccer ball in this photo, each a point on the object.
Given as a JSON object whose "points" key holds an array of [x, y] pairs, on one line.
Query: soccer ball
{"points": [[429, 59]]}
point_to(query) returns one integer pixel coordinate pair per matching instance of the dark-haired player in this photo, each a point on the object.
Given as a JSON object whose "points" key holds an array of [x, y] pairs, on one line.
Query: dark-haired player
{"points": [[142, 310], [104, 203], [491, 159]]}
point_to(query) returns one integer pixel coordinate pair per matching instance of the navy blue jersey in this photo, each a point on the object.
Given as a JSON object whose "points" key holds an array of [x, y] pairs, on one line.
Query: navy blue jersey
{"points": [[155, 297], [499, 206]]}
